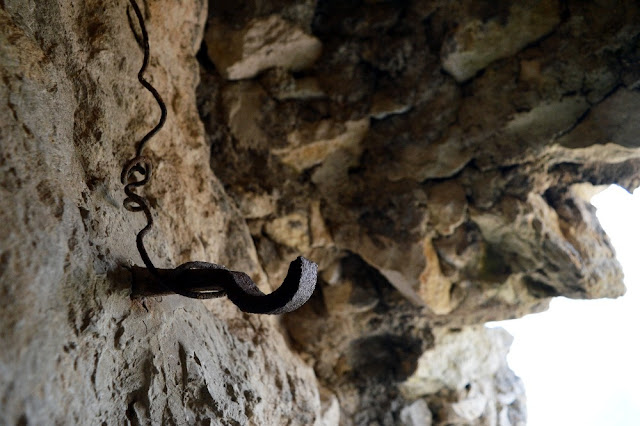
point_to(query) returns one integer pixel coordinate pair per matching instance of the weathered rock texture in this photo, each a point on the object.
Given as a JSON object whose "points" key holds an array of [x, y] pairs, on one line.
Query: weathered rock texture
{"points": [[74, 347], [435, 158]]}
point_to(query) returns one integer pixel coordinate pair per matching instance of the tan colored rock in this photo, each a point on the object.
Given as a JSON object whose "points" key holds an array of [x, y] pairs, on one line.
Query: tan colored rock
{"points": [[384, 106], [400, 264], [614, 153], [447, 204], [291, 230], [441, 159], [262, 44], [283, 86], [483, 171], [394, 150], [303, 88], [243, 102], [475, 44], [435, 288], [256, 206], [320, 235], [314, 153], [75, 348]]}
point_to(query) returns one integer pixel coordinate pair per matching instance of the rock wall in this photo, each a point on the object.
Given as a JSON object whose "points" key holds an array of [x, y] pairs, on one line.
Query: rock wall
{"points": [[434, 158]]}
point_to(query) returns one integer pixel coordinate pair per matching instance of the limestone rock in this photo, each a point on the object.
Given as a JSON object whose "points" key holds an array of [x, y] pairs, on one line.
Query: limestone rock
{"points": [[435, 288], [291, 230], [264, 43], [461, 194], [478, 42], [613, 120], [283, 86], [322, 144], [74, 346], [320, 235], [416, 414], [466, 355], [243, 103], [432, 201], [479, 387], [447, 205]]}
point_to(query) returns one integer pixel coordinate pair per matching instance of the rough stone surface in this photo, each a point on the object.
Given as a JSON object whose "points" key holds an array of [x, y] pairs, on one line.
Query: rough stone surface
{"points": [[264, 43], [495, 34], [75, 348], [434, 158]]}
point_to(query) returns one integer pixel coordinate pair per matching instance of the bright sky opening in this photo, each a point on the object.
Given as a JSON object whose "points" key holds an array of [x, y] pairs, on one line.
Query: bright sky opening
{"points": [[580, 360]]}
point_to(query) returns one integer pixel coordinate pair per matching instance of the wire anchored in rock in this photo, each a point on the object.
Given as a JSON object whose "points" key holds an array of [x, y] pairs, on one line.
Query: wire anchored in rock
{"points": [[199, 280]]}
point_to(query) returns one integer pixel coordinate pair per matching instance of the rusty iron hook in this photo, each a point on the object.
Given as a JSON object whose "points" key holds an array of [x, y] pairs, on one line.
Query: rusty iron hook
{"points": [[199, 280], [203, 280]]}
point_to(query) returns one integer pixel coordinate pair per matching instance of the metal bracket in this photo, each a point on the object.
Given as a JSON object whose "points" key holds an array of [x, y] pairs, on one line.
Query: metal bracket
{"points": [[202, 280]]}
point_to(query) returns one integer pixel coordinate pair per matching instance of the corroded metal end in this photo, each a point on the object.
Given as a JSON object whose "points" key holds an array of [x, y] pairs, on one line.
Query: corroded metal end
{"points": [[202, 280]]}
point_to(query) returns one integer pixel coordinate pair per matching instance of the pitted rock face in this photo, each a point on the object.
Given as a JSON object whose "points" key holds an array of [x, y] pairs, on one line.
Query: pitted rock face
{"points": [[431, 157], [463, 191]]}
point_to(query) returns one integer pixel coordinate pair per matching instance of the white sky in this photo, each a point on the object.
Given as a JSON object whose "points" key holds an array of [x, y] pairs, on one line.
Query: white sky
{"points": [[580, 360]]}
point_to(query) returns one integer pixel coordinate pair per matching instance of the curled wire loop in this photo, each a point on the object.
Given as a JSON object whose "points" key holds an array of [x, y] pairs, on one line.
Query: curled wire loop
{"points": [[140, 166], [137, 172], [202, 280]]}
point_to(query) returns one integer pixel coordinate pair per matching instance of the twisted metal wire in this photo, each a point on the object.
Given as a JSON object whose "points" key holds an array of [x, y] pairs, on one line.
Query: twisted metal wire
{"points": [[188, 279], [141, 165], [137, 172]]}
